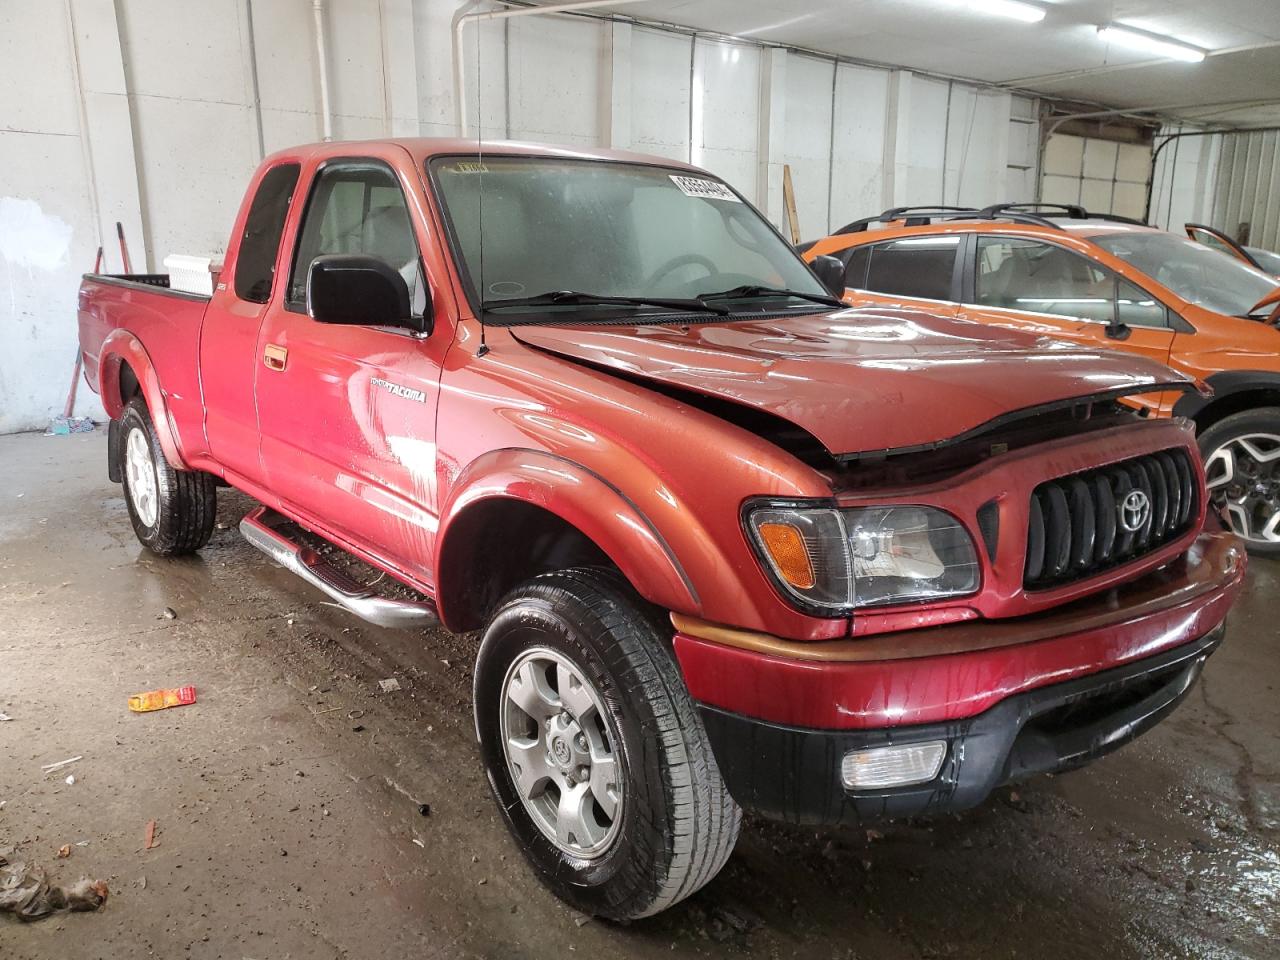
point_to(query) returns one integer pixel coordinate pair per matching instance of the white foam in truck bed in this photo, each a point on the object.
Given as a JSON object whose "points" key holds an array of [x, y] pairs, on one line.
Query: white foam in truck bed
{"points": [[190, 274]]}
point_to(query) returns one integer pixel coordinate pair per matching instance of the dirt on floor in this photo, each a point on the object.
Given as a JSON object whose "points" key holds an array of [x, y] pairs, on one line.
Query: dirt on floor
{"points": [[302, 812]]}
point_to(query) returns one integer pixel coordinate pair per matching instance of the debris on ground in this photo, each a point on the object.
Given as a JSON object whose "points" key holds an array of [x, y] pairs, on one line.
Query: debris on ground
{"points": [[50, 767], [169, 613], [424, 809], [4, 717], [162, 699], [151, 835], [65, 426], [64, 851], [26, 892], [71, 780], [390, 685]]}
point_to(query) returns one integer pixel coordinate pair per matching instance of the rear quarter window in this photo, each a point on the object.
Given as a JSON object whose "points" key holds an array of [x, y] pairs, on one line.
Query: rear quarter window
{"points": [[920, 267], [260, 243]]}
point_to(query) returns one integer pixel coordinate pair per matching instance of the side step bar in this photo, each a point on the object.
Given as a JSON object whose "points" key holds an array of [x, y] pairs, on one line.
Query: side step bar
{"points": [[257, 527]]}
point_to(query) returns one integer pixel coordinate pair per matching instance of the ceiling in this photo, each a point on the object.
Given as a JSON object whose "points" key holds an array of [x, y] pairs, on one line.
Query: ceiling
{"points": [[1060, 56]]}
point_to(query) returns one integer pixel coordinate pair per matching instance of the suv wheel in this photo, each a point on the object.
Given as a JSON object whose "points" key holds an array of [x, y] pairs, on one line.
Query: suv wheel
{"points": [[173, 511], [1242, 467], [594, 750]]}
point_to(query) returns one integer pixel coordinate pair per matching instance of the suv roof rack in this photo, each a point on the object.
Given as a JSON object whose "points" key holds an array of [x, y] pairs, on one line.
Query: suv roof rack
{"points": [[1033, 213], [914, 217], [1072, 211]]}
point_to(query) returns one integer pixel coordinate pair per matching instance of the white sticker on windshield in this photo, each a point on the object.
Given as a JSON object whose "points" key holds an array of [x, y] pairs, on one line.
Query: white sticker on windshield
{"points": [[706, 189]]}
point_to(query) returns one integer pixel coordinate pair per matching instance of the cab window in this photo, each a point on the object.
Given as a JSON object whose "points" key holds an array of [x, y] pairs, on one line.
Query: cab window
{"points": [[358, 207], [260, 243], [918, 267], [1038, 277]]}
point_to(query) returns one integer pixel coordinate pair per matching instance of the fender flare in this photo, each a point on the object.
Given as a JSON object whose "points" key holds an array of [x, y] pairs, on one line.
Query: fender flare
{"points": [[586, 501], [1224, 384], [120, 347]]}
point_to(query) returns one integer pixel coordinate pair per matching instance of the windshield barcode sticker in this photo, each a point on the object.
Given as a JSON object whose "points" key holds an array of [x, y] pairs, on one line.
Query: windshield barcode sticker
{"points": [[706, 189]]}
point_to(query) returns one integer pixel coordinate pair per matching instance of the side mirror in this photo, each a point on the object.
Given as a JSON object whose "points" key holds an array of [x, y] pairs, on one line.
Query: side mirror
{"points": [[830, 271], [359, 290]]}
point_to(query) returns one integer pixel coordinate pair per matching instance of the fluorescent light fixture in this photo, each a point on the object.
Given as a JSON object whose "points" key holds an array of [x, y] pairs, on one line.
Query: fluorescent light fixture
{"points": [[1013, 9], [1150, 43]]}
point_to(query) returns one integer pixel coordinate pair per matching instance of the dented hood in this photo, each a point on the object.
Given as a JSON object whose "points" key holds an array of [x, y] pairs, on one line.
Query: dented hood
{"points": [[862, 380]]}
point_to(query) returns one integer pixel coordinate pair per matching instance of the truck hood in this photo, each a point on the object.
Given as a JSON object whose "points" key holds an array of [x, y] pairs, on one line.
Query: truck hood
{"points": [[863, 380]]}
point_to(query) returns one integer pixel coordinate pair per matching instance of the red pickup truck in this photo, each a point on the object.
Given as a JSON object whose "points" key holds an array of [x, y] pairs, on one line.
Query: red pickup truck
{"points": [[728, 543]]}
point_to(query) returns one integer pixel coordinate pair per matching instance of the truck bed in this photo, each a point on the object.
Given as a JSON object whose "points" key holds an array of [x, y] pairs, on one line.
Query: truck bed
{"points": [[166, 325], [154, 281]]}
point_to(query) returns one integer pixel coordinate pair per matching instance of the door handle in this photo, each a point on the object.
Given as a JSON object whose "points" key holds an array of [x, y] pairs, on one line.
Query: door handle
{"points": [[274, 356]]}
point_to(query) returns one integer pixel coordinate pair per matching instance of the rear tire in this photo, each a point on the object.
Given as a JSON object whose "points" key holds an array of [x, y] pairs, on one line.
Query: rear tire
{"points": [[1242, 466], [172, 511], [659, 824]]}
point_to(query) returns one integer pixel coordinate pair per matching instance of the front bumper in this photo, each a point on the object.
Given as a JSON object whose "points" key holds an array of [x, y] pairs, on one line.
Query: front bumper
{"points": [[1011, 698], [793, 774]]}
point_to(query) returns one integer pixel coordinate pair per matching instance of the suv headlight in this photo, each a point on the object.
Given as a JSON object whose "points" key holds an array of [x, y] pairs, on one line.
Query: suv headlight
{"points": [[833, 560]]}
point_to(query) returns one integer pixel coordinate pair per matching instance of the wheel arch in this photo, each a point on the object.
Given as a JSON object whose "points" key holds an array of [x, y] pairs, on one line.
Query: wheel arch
{"points": [[1234, 391], [535, 511], [125, 370]]}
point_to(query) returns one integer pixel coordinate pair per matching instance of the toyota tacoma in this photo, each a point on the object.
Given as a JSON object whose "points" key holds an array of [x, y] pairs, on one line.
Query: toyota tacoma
{"points": [[727, 543]]}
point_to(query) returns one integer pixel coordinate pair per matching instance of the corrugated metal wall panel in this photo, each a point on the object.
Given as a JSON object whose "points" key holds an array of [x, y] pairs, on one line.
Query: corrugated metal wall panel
{"points": [[1248, 186]]}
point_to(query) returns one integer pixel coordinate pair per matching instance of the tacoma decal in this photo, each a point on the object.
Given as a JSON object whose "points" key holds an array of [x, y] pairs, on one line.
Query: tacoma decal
{"points": [[404, 393]]}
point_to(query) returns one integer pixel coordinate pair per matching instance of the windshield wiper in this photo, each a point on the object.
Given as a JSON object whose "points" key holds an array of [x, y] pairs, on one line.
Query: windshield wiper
{"points": [[577, 298], [751, 290]]}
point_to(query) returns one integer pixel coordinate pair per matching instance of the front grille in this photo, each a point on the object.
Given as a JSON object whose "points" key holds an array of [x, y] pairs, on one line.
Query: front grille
{"points": [[1079, 525]]}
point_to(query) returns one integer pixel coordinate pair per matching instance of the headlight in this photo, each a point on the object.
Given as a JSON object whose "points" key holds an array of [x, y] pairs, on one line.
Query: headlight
{"points": [[834, 560]]}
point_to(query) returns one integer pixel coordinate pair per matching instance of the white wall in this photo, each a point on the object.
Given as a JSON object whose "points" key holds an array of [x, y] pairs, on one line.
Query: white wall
{"points": [[181, 101]]}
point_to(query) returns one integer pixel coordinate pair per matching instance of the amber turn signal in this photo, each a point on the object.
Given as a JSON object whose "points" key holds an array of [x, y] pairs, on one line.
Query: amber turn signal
{"points": [[790, 557]]}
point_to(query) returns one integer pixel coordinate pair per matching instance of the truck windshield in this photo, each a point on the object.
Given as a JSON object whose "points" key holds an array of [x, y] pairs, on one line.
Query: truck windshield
{"points": [[1193, 271], [525, 227]]}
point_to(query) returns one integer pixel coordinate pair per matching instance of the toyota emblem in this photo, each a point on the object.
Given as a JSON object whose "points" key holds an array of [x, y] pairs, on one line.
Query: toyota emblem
{"points": [[1135, 508]]}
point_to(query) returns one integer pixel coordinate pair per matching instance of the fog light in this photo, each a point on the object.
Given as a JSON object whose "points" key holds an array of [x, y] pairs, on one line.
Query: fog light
{"points": [[897, 766]]}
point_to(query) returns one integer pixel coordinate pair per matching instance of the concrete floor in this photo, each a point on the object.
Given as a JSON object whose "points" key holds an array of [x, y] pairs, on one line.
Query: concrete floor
{"points": [[285, 831]]}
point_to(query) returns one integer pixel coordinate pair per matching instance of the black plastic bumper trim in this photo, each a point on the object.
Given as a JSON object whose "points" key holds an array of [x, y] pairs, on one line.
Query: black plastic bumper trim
{"points": [[793, 773]]}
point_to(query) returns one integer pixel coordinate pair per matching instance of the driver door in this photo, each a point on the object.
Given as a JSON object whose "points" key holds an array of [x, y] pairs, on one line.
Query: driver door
{"points": [[348, 412], [1039, 287]]}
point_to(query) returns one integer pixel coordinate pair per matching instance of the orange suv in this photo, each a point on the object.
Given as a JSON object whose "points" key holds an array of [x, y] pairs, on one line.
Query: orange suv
{"points": [[1107, 281]]}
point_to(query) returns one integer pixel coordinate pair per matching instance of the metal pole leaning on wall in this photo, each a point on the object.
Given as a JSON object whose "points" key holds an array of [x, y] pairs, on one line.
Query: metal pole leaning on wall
{"points": [[464, 16], [322, 56]]}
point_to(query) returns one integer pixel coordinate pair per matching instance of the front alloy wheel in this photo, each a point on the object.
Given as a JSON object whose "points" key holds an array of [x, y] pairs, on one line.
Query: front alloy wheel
{"points": [[560, 751], [1242, 472], [594, 749]]}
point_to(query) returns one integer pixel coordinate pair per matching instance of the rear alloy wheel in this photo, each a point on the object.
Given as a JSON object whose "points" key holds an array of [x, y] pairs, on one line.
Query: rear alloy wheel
{"points": [[172, 511], [1242, 470], [594, 748]]}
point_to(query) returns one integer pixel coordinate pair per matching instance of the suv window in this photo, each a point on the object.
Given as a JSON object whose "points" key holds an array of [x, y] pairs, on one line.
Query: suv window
{"points": [[910, 267], [256, 262], [358, 207], [1041, 277]]}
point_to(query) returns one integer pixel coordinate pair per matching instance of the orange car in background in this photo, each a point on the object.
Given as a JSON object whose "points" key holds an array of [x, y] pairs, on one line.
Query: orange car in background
{"points": [[1111, 282]]}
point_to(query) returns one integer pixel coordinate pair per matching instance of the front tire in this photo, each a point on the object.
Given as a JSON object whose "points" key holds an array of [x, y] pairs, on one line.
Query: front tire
{"points": [[172, 511], [594, 750], [1242, 468]]}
